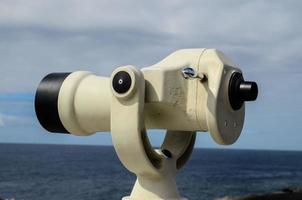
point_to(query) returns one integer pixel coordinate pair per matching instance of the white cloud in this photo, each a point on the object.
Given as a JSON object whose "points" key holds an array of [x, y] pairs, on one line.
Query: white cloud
{"points": [[12, 120], [1, 122]]}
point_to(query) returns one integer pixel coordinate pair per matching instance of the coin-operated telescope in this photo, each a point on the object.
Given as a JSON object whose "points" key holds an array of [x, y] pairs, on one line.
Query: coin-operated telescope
{"points": [[190, 90]]}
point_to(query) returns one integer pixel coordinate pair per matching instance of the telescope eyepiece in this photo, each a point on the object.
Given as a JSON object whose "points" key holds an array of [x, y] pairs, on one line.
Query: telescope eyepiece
{"points": [[248, 90], [241, 91]]}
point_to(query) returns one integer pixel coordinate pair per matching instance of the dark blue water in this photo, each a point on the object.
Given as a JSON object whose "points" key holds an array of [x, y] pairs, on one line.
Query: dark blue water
{"points": [[55, 172]]}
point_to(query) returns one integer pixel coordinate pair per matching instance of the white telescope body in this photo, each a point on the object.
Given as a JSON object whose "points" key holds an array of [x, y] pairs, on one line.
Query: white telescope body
{"points": [[190, 90]]}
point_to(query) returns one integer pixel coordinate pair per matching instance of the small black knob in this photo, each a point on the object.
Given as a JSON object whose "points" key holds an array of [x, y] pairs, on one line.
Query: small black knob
{"points": [[241, 91], [121, 82]]}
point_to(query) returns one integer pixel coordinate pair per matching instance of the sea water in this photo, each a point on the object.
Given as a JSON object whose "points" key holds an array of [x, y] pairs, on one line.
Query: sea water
{"points": [[70, 172]]}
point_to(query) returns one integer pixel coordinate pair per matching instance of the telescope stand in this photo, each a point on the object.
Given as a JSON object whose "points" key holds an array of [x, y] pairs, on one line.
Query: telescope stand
{"points": [[163, 187], [160, 184], [155, 169]]}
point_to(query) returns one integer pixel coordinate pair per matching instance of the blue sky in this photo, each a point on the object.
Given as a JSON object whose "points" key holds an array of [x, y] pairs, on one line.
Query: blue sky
{"points": [[263, 37]]}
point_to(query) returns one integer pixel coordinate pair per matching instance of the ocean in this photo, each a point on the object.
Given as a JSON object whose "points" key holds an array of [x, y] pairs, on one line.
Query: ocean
{"points": [[71, 172]]}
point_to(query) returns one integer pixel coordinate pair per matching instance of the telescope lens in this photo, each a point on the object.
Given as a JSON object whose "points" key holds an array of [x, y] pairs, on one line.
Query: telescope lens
{"points": [[241, 91], [46, 102]]}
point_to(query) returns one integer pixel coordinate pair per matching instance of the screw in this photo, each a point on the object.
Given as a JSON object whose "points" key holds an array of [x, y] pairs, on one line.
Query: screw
{"points": [[167, 153], [190, 73]]}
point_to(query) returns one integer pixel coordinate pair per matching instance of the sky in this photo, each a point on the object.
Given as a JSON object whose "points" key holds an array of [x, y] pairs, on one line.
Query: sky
{"points": [[264, 38]]}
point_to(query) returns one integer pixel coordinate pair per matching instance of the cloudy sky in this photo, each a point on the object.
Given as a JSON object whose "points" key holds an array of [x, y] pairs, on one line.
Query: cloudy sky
{"points": [[263, 37]]}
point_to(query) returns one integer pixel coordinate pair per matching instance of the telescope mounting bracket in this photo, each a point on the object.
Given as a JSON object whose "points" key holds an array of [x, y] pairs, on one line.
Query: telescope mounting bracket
{"points": [[155, 168]]}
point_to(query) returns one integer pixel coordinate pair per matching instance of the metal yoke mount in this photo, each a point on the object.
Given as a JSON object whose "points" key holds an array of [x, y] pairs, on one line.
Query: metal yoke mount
{"points": [[155, 168]]}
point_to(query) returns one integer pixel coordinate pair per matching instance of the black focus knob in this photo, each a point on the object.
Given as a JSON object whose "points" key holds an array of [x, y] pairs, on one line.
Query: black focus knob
{"points": [[241, 91], [121, 82]]}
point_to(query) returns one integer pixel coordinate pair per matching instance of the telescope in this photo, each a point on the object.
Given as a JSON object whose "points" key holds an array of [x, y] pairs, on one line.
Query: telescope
{"points": [[189, 91]]}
